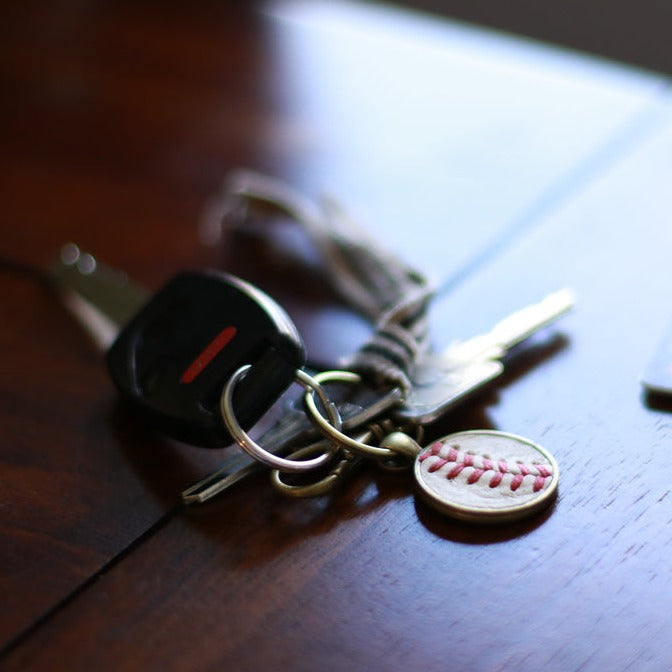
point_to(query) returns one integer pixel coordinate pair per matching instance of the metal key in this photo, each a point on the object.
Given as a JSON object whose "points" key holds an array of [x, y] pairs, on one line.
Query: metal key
{"points": [[101, 298], [442, 380]]}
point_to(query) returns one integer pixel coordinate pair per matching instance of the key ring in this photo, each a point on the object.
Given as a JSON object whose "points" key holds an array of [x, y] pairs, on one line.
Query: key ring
{"points": [[330, 429], [252, 448], [321, 487]]}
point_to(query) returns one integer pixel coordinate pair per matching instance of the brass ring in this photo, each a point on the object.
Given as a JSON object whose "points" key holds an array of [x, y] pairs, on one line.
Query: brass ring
{"points": [[329, 429], [321, 487], [252, 448]]}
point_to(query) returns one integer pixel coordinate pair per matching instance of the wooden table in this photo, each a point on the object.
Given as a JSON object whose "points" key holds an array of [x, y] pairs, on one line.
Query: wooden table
{"points": [[503, 169]]}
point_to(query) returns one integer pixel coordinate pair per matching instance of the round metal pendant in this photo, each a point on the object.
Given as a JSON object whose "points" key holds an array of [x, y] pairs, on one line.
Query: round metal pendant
{"points": [[486, 476]]}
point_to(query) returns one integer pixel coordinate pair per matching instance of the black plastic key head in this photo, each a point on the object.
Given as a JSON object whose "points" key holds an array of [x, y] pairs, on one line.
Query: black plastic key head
{"points": [[173, 359]]}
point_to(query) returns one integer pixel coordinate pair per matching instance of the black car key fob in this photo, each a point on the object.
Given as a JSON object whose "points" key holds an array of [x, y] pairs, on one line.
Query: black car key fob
{"points": [[173, 359]]}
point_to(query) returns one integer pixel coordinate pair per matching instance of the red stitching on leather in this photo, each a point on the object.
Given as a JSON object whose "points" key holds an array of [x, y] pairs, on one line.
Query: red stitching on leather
{"points": [[456, 470], [475, 475], [496, 479], [519, 470], [437, 465]]}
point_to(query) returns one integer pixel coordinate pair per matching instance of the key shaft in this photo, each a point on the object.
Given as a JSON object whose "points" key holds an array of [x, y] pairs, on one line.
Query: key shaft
{"points": [[440, 381], [293, 430], [512, 330], [101, 298]]}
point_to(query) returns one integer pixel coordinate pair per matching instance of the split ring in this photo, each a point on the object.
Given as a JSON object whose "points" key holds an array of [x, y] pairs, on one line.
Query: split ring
{"points": [[329, 429], [316, 488], [252, 448]]}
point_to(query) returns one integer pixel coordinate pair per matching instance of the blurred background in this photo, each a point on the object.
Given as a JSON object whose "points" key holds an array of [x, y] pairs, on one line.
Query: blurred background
{"points": [[121, 115]]}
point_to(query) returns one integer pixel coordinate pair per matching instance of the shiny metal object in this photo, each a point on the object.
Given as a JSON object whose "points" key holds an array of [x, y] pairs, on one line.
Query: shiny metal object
{"points": [[295, 428], [344, 462], [404, 450], [486, 476], [439, 381], [101, 298], [330, 430], [252, 448], [234, 469]]}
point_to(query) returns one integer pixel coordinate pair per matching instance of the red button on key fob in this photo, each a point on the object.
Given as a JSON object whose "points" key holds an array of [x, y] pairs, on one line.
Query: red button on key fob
{"points": [[173, 359]]}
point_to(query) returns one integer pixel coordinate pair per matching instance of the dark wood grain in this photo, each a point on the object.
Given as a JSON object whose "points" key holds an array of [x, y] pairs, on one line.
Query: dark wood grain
{"points": [[92, 97], [504, 170]]}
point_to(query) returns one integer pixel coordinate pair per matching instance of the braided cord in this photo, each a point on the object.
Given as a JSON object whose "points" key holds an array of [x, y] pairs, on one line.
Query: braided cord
{"points": [[391, 295]]}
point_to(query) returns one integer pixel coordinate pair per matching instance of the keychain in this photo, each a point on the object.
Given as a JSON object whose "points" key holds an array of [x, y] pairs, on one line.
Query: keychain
{"points": [[209, 354]]}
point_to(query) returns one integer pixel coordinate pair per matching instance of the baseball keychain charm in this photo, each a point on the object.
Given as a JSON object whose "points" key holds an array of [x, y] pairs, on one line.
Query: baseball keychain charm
{"points": [[478, 476], [486, 476]]}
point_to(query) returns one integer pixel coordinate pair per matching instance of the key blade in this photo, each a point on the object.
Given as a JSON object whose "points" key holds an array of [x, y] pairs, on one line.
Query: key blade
{"points": [[523, 323], [513, 329], [235, 469], [293, 430], [101, 298], [439, 385], [442, 380], [101, 329]]}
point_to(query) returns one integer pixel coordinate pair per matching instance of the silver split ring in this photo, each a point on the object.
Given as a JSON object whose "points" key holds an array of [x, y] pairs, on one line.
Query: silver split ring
{"points": [[252, 448]]}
